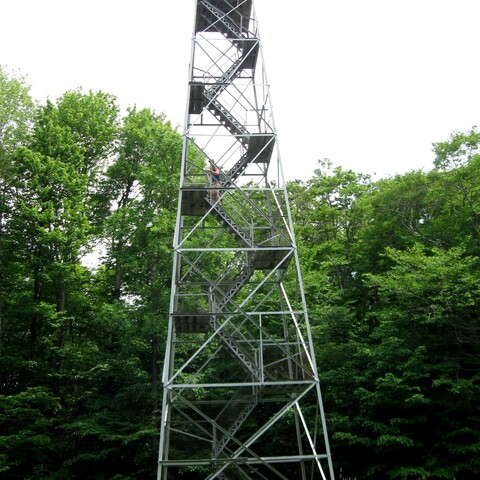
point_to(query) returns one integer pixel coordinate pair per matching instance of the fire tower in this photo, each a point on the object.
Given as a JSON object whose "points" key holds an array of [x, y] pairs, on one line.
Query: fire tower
{"points": [[241, 394]]}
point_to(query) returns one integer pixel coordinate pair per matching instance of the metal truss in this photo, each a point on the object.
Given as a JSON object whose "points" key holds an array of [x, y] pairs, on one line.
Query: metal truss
{"points": [[241, 397]]}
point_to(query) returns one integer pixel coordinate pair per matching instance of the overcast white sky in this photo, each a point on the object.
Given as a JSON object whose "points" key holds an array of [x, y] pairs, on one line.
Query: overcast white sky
{"points": [[368, 84]]}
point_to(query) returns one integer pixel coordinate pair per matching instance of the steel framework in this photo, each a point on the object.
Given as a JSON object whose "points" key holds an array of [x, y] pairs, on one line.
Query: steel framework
{"points": [[241, 394]]}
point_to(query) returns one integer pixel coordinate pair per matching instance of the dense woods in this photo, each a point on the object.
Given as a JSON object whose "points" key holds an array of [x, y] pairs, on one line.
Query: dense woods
{"points": [[87, 210]]}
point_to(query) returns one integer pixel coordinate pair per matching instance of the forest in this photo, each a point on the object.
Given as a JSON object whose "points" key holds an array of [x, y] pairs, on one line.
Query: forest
{"points": [[391, 271]]}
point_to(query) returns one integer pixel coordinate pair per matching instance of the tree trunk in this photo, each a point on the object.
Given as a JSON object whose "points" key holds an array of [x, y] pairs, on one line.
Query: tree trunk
{"points": [[61, 298], [155, 371]]}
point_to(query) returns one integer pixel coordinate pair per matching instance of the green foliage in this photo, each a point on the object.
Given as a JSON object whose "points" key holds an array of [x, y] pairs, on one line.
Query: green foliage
{"points": [[392, 285], [27, 441], [79, 370], [16, 114], [142, 185], [459, 161]]}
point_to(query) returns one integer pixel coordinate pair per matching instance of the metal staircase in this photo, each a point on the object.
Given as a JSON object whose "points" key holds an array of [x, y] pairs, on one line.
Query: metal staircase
{"points": [[229, 224], [240, 281], [231, 412], [239, 362]]}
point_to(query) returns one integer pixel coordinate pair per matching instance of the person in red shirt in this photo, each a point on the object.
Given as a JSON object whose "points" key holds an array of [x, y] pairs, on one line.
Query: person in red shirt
{"points": [[216, 183]]}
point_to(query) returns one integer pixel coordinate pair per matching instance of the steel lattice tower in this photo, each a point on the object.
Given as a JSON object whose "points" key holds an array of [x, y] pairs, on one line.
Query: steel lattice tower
{"points": [[241, 397]]}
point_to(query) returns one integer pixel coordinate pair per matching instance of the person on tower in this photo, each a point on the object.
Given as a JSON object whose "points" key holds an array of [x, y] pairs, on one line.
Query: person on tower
{"points": [[215, 181]]}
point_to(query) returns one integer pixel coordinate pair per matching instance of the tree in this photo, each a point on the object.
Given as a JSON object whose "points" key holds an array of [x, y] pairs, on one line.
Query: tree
{"points": [[459, 161], [49, 221], [327, 213], [16, 114], [47, 229], [143, 186], [330, 213], [424, 364], [397, 339]]}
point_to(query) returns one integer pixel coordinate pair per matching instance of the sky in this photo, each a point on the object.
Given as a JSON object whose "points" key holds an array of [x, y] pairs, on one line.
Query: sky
{"points": [[369, 84]]}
